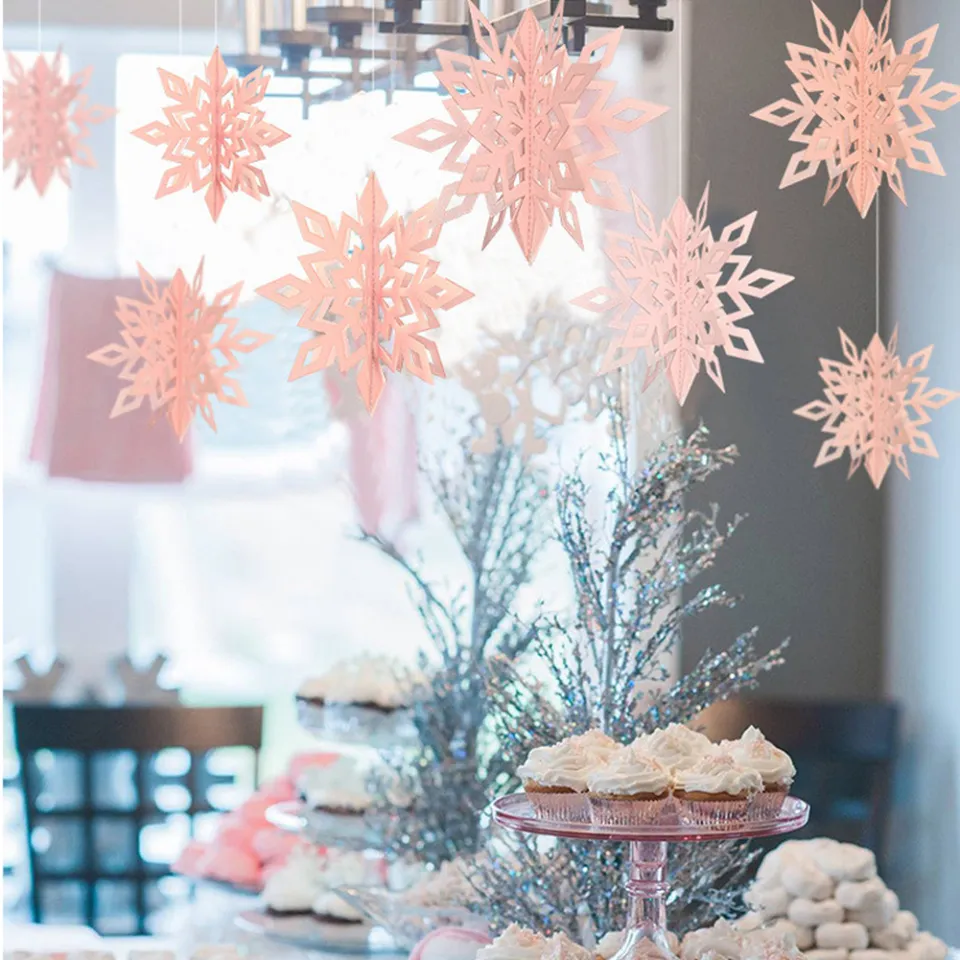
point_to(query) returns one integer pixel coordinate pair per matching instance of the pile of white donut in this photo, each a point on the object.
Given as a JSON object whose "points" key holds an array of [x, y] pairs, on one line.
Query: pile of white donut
{"points": [[828, 896]]}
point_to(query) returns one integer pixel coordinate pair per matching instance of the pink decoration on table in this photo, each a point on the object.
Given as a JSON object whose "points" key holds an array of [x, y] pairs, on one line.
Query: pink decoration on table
{"points": [[679, 294], [73, 436], [191, 859], [215, 134], [45, 121], [270, 844], [861, 108], [178, 350], [450, 943], [232, 865], [370, 293], [875, 407], [528, 129], [304, 760], [253, 810], [278, 789]]}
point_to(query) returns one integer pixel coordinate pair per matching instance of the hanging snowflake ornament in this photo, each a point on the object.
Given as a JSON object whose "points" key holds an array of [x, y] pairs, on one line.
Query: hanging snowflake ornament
{"points": [[875, 407], [370, 293], [528, 128], [679, 294], [861, 108], [528, 383], [45, 121], [178, 351], [215, 134]]}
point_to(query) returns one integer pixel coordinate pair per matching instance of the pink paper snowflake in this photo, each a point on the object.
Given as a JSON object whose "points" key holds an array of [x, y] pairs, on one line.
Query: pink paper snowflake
{"points": [[680, 295], [370, 293], [215, 134], [861, 108], [178, 351], [875, 407], [528, 129], [45, 120]]}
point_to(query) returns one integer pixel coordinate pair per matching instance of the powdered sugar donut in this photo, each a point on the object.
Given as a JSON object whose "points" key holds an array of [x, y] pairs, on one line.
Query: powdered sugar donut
{"points": [[846, 861], [811, 913], [450, 943], [804, 879], [834, 954], [767, 900], [878, 915], [925, 946], [722, 940], [783, 931], [897, 933], [749, 922], [849, 936], [860, 894], [869, 954]]}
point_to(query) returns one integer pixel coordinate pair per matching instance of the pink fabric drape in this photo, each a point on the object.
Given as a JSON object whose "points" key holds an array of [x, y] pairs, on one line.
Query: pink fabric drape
{"points": [[73, 434]]}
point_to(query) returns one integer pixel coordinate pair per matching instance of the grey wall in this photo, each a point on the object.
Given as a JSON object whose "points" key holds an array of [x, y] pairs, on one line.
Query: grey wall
{"points": [[923, 523], [808, 558]]}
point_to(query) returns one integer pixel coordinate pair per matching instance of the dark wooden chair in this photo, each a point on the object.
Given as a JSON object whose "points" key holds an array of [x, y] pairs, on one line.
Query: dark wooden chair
{"points": [[96, 781], [844, 753]]}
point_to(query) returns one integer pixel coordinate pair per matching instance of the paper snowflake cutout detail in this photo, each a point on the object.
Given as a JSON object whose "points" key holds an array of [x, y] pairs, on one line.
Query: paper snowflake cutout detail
{"points": [[861, 108], [528, 383], [528, 128], [679, 294], [215, 134], [45, 121], [178, 351], [370, 293], [875, 407]]}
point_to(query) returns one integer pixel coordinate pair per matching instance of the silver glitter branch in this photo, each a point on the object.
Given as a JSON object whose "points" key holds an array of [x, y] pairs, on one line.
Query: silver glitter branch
{"points": [[606, 667], [494, 503]]}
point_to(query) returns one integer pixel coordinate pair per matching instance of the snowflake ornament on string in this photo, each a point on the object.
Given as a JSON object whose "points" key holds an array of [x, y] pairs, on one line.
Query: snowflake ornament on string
{"points": [[861, 108], [178, 350], [679, 294], [875, 407], [215, 134], [45, 121], [370, 293], [528, 383], [528, 128]]}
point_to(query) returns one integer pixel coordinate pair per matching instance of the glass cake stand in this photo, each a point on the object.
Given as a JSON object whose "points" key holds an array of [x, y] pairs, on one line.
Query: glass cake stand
{"points": [[646, 882], [345, 831]]}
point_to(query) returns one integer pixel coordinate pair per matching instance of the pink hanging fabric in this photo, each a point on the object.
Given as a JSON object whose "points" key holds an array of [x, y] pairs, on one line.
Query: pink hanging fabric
{"points": [[383, 455], [73, 434]]}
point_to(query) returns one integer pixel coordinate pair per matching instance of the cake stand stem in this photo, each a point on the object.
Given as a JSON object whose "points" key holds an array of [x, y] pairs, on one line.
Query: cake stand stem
{"points": [[647, 887]]}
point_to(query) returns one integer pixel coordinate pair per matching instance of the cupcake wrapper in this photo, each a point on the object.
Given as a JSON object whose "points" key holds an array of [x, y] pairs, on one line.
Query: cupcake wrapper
{"points": [[768, 804], [698, 812], [627, 813], [571, 807]]}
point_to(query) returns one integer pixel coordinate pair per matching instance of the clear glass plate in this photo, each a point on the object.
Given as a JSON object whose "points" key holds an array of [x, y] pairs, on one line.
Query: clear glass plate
{"points": [[347, 831], [350, 724], [305, 932]]}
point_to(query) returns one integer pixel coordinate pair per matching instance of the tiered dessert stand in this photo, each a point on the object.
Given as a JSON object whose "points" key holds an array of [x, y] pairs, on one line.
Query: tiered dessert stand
{"points": [[646, 881], [350, 729]]}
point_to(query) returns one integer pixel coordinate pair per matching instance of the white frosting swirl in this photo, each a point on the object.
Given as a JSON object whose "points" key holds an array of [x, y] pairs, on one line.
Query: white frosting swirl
{"points": [[379, 680], [294, 886], [718, 773], [595, 742], [330, 904], [446, 885], [721, 939], [630, 771], [565, 764], [675, 746], [515, 943], [754, 750], [338, 785], [561, 947]]}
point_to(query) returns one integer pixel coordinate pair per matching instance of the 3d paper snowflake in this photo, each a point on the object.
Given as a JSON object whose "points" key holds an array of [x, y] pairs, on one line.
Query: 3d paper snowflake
{"points": [[370, 293], [861, 108], [875, 407], [215, 134], [178, 351], [680, 295], [45, 120], [528, 129], [525, 384]]}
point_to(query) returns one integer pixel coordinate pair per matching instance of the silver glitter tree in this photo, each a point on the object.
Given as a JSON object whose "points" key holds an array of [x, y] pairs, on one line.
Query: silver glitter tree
{"points": [[494, 504], [606, 668]]}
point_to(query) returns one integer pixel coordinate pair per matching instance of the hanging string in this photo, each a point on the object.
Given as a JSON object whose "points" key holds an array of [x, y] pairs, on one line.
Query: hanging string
{"points": [[680, 98], [180, 27], [216, 23], [876, 291], [39, 26]]}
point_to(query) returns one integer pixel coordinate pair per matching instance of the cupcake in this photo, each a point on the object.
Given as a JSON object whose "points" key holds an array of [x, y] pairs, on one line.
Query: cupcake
{"points": [[515, 943], [561, 947], [330, 907], [774, 765], [675, 746], [630, 788], [373, 683], [290, 891], [337, 788], [716, 789], [344, 869], [555, 778]]}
